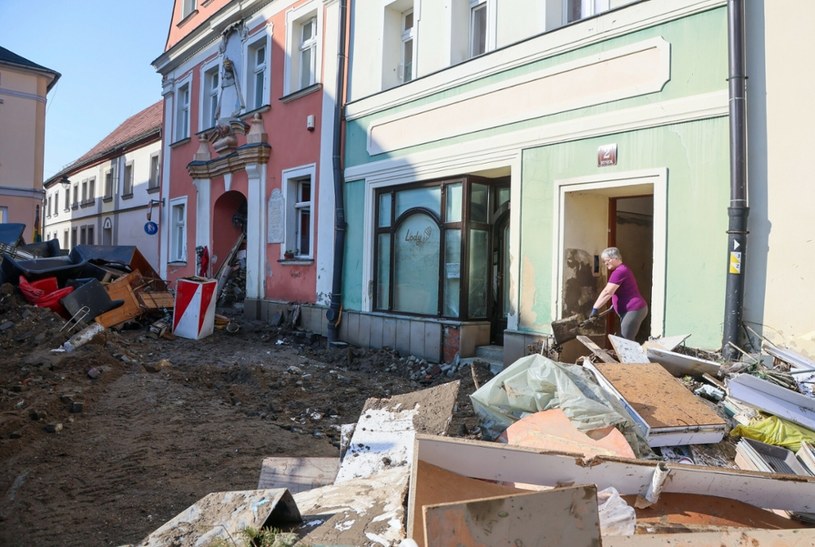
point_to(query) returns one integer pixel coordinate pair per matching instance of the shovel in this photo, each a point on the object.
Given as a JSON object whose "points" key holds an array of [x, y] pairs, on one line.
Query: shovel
{"points": [[568, 328]]}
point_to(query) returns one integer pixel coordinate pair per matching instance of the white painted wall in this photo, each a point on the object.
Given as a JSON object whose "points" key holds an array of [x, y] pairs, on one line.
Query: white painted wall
{"points": [[778, 290]]}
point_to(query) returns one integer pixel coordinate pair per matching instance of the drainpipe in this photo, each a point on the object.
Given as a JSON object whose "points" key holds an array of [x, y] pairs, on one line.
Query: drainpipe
{"points": [[738, 211], [334, 313]]}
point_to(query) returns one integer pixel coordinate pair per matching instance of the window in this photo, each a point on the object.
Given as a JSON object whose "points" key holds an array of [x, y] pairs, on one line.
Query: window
{"points": [[65, 240], [178, 230], [127, 183], [108, 184], [3, 215], [256, 63], [56, 202], [91, 190], [188, 7], [307, 56], [153, 182], [83, 235], [406, 64], [478, 27], [75, 203], [90, 235], [211, 89], [580, 9], [67, 198], [299, 198], [182, 112], [432, 249], [73, 237], [48, 207], [85, 191]]}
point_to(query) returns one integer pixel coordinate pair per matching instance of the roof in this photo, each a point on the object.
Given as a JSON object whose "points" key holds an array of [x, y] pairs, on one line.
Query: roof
{"points": [[134, 129], [9, 58]]}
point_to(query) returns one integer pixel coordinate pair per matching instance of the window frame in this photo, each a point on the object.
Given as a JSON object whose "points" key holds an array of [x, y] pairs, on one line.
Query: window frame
{"points": [[255, 69], [181, 113], [127, 180], [75, 200], [177, 248], [109, 184], [293, 179], [210, 91], [464, 224], [154, 180], [295, 20], [477, 6], [408, 35], [586, 8], [188, 7]]}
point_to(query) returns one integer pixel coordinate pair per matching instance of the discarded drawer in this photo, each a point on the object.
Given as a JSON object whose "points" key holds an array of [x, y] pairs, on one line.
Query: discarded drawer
{"points": [[664, 410]]}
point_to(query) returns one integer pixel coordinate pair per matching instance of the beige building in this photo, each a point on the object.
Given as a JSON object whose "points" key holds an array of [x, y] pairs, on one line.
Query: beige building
{"points": [[23, 89]]}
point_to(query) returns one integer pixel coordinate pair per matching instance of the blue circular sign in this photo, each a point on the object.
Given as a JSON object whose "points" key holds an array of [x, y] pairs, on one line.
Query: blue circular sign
{"points": [[150, 228]]}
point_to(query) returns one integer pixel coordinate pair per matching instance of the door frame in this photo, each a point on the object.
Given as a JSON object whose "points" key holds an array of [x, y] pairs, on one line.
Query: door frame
{"points": [[620, 184]]}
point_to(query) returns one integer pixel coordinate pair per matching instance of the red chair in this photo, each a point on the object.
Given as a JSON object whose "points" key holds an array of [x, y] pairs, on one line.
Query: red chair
{"points": [[45, 293]]}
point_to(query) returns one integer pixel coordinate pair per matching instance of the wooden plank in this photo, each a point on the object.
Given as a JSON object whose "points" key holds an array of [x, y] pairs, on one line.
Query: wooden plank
{"points": [[297, 474], [683, 365], [596, 350], [735, 537], [665, 410], [502, 463], [432, 485], [224, 516], [155, 299], [628, 351], [121, 289], [562, 516]]}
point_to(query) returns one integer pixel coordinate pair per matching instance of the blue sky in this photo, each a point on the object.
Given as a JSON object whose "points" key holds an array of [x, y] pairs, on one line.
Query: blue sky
{"points": [[103, 49]]}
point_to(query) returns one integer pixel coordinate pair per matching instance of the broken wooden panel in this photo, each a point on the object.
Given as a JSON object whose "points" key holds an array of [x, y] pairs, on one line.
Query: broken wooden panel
{"points": [[155, 299], [297, 474], [664, 410], [682, 365], [383, 437], [359, 512], [773, 399], [224, 516], [562, 516], [122, 289], [432, 485], [628, 351], [503, 463], [596, 350]]}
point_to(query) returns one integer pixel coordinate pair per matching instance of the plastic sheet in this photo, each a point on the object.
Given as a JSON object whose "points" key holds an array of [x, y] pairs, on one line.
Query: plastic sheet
{"points": [[534, 383], [776, 431], [617, 518]]}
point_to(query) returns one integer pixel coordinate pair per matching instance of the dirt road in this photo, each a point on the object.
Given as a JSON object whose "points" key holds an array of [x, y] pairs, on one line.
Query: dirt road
{"points": [[102, 445]]}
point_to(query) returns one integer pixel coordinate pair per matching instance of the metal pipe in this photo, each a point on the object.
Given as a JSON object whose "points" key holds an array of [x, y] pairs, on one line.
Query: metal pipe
{"points": [[738, 210], [334, 313]]}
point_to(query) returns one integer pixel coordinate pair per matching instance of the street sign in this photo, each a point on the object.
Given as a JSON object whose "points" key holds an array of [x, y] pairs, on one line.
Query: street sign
{"points": [[150, 228]]}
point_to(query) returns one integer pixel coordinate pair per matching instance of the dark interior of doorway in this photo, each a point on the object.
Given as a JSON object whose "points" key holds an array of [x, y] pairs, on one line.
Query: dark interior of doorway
{"points": [[631, 229]]}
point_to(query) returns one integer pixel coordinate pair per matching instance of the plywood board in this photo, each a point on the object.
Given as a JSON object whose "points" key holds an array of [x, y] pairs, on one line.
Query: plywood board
{"points": [[665, 410], [297, 474], [682, 365], [156, 299], [432, 485], [562, 516], [223, 516], [667, 343], [628, 351], [503, 463]]}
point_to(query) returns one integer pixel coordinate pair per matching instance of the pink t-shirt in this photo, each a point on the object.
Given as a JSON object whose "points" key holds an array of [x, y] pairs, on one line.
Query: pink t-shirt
{"points": [[627, 297]]}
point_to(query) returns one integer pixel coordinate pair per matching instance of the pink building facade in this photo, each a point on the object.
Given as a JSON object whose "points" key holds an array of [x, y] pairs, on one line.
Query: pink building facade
{"points": [[249, 130]]}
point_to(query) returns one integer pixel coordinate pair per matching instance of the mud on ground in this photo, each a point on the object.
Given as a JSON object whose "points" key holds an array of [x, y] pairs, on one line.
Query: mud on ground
{"points": [[102, 445]]}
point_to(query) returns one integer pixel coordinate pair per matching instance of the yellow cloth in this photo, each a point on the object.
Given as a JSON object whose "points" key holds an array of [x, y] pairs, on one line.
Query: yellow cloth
{"points": [[774, 430]]}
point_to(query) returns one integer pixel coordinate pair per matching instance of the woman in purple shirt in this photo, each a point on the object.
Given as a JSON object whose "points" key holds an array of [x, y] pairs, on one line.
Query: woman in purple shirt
{"points": [[624, 294]]}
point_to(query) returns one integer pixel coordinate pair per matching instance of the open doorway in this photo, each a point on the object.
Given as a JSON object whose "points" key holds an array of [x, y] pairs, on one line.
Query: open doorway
{"points": [[628, 213]]}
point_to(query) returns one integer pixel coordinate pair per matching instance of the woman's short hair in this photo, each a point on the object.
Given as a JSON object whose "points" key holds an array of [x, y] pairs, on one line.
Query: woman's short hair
{"points": [[612, 252]]}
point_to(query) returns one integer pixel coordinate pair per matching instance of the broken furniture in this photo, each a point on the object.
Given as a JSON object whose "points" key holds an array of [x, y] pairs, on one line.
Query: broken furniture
{"points": [[664, 410]]}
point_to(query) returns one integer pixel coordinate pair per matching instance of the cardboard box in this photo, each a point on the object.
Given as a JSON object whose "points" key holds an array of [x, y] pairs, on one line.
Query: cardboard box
{"points": [[194, 312]]}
